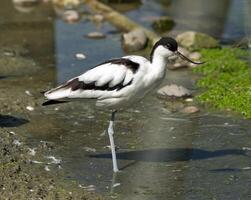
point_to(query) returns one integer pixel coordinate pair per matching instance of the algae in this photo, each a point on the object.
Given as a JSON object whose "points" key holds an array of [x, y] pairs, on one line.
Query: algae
{"points": [[163, 24], [227, 80]]}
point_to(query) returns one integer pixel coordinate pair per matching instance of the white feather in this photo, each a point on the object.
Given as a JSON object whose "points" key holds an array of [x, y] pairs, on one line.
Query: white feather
{"points": [[136, 83]]}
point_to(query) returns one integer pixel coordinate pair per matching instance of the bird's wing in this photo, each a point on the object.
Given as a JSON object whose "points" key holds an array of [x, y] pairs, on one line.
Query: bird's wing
{"points": [[105, 79]]}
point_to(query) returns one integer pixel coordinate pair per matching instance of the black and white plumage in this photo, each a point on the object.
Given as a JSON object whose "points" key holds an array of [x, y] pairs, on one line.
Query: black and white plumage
{"points": [[119, 82]]}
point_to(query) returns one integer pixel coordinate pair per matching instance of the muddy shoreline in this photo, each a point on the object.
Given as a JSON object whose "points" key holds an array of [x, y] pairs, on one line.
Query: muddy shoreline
{"points": [[29, 173]]}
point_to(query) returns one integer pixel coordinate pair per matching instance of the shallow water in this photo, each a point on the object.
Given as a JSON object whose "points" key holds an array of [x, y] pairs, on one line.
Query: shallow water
{"points": [[163, 153]]}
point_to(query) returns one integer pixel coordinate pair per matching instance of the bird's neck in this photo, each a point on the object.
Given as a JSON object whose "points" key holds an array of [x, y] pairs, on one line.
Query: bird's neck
{"points": [[158, 65]]}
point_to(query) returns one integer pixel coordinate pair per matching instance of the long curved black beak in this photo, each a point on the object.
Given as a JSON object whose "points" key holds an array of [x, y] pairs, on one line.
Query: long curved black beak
{"points": [[187, 59]]}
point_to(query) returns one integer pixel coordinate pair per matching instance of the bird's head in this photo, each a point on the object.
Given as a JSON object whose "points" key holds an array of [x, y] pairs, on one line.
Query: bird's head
{"points": [[167, 47]]}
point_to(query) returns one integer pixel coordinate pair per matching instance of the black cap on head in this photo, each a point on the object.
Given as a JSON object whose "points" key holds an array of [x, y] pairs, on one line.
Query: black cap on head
{"points": [[171, 44], [167, 42]]}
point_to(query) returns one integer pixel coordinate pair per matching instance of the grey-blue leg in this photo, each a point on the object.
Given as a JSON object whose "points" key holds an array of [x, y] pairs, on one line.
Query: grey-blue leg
{"points": [[110, 133]]}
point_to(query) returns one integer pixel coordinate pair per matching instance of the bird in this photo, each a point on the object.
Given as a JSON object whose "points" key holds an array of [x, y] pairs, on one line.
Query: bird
{"points": [[119, 82]]}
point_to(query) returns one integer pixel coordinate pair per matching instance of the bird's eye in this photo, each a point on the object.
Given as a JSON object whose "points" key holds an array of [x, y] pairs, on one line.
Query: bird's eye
{"points": [[167, 46]]}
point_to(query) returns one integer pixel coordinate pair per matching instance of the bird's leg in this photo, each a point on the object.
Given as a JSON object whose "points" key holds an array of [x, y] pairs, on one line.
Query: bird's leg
{"points": [[110, 133]]}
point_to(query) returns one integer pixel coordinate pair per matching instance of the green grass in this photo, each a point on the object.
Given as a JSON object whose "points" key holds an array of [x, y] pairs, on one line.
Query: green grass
{"points": [[226, 80]]}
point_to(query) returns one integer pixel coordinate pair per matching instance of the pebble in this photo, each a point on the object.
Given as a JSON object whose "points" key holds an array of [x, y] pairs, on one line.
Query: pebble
{"points": [[189, 100], [30, 108], [71, 16], [54, 160], [174, 91], [246, 148], [95, 35], [80, 56], [190, 109], [17, 142], [88, 149], [246, 168], [9, 53], [116, 185], [32, 152], [28, 93], [36, 162], [12, 133], [46, 168], [88, 188]]}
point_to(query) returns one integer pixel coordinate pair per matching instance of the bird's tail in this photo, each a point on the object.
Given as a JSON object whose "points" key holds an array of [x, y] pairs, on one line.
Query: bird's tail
{"points": [[60, 92], [51, 102]]}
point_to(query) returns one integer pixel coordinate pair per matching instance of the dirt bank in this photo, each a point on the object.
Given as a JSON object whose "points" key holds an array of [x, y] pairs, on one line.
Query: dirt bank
{"points": [[29, 173]]}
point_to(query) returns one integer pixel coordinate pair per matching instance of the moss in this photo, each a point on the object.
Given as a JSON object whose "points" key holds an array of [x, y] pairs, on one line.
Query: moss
{"points": [[227, 80], [163, 24]]}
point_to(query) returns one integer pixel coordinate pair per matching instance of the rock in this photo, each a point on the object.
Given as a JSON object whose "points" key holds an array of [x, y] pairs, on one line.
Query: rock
{"points": [[95, 35], [244, 43], [195, 56], [174, 91], [25, 6], [163, 24], [194, 40], [135, 40], [177, 65], [190, 109], [177, 62], [71, 16]]}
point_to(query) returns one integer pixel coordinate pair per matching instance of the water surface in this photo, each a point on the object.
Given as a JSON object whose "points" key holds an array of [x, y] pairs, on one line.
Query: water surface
{"points": [[163, 153]]}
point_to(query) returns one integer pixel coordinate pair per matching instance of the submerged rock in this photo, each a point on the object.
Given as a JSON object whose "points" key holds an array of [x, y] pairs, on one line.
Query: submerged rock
{"points": [[174, 91], [163, 24], [135, 40], [95, 35], [80, 56], [194, 40], [190, 109], [25, 6]]}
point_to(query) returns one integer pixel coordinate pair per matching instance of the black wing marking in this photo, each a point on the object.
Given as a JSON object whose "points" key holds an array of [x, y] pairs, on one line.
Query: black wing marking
{"points": [[75, 84], [123, 61]]}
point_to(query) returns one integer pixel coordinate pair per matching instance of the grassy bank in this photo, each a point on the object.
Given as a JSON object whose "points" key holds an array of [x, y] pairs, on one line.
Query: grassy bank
{"points": [[226, 80]]}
